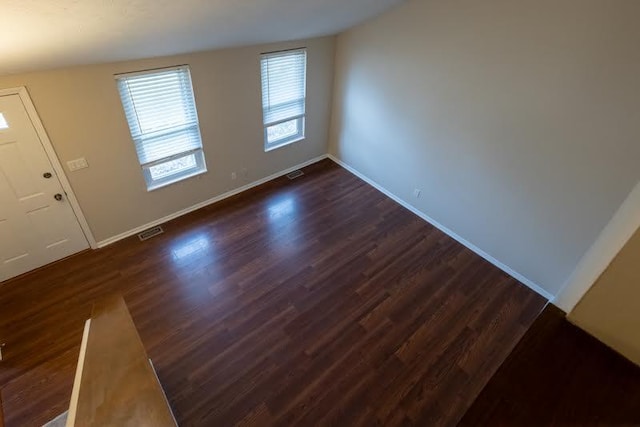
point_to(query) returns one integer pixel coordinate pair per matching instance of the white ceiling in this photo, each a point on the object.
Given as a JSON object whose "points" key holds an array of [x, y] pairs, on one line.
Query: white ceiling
{"points": [[37, 34]]}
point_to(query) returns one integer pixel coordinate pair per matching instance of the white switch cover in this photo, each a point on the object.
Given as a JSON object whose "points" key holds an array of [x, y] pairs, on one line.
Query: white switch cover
{"points": [[77, 164]]}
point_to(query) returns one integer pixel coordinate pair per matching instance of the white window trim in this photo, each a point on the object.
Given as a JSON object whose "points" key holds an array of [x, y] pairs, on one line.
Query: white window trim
{"points": [[164, 182], [301, 117], [285, 141], [201, 166]]}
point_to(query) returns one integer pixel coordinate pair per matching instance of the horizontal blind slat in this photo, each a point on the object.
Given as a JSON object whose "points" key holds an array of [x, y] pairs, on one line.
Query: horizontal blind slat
{"points": [[160, 109], [283, 76], [164, 145]]}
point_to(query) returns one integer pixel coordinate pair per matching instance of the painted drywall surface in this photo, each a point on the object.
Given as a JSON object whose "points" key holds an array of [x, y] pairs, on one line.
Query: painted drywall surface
{"points": [[610, 309], [81, 111], [519, 121], [595, 261], [44, 34]]}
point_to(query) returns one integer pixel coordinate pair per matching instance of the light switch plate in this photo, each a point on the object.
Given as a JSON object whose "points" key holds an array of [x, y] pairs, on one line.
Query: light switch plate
{"points": [[77, 164]]}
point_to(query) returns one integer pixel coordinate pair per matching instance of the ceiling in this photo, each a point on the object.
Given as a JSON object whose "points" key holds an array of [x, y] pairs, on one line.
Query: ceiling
{"points": [[39, 34]]}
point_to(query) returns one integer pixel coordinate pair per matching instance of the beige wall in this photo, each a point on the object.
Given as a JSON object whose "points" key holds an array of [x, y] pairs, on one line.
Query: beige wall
{"points": [[611, 309], [81, 111], [518, 120]]}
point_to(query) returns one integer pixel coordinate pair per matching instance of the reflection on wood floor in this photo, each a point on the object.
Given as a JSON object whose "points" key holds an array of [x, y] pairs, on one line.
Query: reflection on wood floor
{"points": [[317, 301]]}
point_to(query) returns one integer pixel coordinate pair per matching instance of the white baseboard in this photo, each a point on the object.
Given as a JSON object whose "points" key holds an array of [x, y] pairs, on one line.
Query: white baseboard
{"points": [[538, 289], [208, 202], [611, 240], [374, 184]]}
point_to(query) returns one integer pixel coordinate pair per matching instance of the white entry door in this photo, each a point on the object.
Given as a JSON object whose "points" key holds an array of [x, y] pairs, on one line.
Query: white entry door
{"points": [[37, 223]]}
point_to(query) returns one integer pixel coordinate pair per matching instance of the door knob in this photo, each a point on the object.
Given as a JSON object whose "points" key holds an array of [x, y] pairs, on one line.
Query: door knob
{"points": [[58, 197], [47, 175]]}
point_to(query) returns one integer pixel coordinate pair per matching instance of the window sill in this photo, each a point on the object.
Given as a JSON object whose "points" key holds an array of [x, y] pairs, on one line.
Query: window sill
{"points": [[284, 144], [176, 180]]}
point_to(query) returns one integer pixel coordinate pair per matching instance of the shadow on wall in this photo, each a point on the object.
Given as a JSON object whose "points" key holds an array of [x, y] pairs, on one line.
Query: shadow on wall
{"points": [[498, 113]]}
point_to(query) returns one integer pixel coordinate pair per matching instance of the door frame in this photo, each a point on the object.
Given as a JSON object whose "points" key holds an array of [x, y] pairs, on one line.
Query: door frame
{"points": [[53, 158]]}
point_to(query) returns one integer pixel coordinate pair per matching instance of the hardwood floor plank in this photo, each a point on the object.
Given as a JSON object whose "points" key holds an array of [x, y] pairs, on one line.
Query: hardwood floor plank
{"points": [[48, 387], [559, 376], [317, 301]]}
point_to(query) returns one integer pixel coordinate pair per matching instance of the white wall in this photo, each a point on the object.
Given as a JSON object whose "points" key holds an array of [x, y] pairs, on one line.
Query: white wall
{"points": [[81, 111], [604, 250], [518, 120], [609, 311]]}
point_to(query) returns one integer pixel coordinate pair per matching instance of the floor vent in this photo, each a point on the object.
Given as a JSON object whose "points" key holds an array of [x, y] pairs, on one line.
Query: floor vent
{"points": [[295, 174], [152, 232]]}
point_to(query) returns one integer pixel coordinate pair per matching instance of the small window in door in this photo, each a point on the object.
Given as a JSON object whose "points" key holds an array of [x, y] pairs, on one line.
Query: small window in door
{"points": [[3, 122]]}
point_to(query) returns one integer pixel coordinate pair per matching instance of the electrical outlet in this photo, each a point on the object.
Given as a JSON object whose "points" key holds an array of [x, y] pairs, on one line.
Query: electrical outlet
{"points": [[77, 164], [233, 175], [245, 173], [417, 193]]}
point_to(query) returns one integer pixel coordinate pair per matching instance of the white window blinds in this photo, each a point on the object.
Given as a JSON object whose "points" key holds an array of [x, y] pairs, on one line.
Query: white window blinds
{"points": [[283, 96], [161, 112]]}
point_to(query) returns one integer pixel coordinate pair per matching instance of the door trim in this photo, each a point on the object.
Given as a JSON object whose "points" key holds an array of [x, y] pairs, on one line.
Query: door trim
{"points": [[53, 158]]}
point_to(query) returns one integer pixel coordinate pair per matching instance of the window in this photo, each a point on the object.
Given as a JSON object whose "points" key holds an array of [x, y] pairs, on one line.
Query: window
{"points": [[3, 122], [162, 117], [284, 81]]}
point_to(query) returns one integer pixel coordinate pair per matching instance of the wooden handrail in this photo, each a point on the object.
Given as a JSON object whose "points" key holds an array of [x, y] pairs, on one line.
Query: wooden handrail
{"points": [[116, 384]]}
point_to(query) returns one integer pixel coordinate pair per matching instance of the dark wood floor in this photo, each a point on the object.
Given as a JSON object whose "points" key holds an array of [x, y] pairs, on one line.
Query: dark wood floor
{"points": [[559, 376], [317, 301]]}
